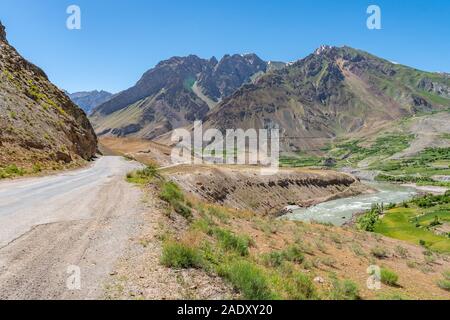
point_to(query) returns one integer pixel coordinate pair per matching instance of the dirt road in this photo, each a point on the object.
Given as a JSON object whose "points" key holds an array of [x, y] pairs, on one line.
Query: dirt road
{"points": [[53, 227]]}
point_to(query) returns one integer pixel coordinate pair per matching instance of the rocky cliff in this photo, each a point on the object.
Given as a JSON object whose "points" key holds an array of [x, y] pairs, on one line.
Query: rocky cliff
{"points": [[39, 125]]}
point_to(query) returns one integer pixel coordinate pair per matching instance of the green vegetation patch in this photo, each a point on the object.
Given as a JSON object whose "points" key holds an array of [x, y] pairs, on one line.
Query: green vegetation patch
{"points": [[143, 176], [344, 290], [351, 152], [249, 279], [300, 160], [414, 221], [389, 277], [180, 256], [418, 169], [11, 171], [445, 282]]}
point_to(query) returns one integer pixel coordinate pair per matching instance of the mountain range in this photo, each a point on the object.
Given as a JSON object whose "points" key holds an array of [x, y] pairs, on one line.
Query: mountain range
{"points": [[89, 100], [175, 93], [333, 92]]}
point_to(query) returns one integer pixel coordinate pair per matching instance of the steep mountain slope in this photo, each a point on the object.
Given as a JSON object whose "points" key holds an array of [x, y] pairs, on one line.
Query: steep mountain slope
{"points": [[39, 125], [221, 79], [89, 100], [174, 94], [331, 93]]}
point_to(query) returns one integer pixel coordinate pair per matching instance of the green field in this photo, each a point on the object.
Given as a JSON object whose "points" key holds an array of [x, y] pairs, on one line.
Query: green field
{"points": [[416, 223], [300, 160]]}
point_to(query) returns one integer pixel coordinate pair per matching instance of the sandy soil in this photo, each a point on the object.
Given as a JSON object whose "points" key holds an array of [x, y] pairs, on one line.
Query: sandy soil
{"points": [[139, 274], [145, 151], [428, 131], [428, 189]]}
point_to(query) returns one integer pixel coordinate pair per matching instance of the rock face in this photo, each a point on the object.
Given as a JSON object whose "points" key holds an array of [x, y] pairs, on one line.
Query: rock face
{"points": [[330, 93], [89, 100], [221, 79], [38, 122], [2, 33], [175, 93]]}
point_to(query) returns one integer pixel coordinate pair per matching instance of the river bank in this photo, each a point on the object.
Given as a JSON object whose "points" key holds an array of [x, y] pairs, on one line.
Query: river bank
{"points": [[342, 211]]}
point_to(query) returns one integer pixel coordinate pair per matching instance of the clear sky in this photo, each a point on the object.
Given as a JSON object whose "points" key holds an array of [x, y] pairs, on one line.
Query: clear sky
{"points": [[120, 40]]}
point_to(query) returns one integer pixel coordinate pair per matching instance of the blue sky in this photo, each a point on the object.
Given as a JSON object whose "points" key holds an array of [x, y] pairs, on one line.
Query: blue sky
{"points": [[120, 40]]}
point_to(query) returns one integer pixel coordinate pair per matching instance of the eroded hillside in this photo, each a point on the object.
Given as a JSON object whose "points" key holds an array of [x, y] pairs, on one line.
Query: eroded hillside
{"points": [[39, 126], [244, 188]]}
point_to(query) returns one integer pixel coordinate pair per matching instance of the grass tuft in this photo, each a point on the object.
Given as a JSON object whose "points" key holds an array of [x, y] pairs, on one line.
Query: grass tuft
{"points": [[180, 256]]}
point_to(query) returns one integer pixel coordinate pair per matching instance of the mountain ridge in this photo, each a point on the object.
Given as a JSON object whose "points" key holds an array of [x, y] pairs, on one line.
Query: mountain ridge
{"points": [[174, 93], [89, 100], [332, 92]]}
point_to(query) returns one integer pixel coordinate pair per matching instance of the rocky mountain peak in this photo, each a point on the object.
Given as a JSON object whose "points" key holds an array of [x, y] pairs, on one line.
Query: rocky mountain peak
{"points": [[322, 49]]}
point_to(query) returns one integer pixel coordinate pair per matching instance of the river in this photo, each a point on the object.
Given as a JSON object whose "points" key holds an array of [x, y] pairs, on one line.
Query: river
{"points": [[341, 211]]}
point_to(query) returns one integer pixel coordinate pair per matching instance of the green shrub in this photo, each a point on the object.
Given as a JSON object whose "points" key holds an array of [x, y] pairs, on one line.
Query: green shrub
{"points": [[276, 258], [429, 201], [142, 176], [401, 252], [180, 256], [37, 168], [182, 209], [379, 252], [220, 213], [249, 279], [171, 192], [329, 262], [11, 171], [344, 290], [294, 254], [273, 259], [301, 287], [368, 220], [230, 241], [445, 283], [358, 250], [388, 277]]}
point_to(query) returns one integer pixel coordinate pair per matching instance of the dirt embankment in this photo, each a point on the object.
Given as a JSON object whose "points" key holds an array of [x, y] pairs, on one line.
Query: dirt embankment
{"points": [[144, 151], [244, 187]]}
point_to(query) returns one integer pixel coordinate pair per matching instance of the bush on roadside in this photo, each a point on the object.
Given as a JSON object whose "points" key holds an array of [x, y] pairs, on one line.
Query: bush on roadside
{"points": [[182, 209], [142, 176], [180, 256], [11, 171], [171, 192]]}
